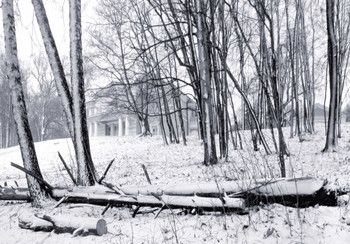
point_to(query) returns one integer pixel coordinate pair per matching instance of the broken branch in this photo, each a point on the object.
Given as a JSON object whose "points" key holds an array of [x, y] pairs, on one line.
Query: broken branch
{"points": [[67, 168], [33, 175], [106, 171]]}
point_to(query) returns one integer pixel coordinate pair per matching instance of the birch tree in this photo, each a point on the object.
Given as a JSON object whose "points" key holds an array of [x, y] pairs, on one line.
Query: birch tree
{"points": [[86, 169], [73, 101], [25, 138]]}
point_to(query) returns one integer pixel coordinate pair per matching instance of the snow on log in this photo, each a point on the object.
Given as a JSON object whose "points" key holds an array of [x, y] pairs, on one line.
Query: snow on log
{"points": [[191, 189], [63, 223], [77, 224], [208, 195], [292, 186], [30, 221], [158, 201], [103, 196], [14, 194], [271, 187]]}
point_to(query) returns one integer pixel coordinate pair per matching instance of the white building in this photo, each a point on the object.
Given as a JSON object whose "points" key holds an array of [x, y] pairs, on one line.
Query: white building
{"points": [[103, 122]]}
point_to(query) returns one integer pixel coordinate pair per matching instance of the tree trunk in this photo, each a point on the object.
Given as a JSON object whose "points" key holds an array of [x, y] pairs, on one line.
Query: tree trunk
{"points": [[78, 122], [332, 138], [161, 120], [168, 119], [55, 62], [178, 107], [205, 82], [24, 134], [219, 86], [294, 52], [62, 223], [277, 97], [207, 195], [86, 170]]}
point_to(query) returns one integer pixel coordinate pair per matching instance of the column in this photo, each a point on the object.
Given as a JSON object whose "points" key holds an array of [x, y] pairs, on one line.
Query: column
{"points": [[120, 129], [95, 129], [90, 129], [126, 125]]}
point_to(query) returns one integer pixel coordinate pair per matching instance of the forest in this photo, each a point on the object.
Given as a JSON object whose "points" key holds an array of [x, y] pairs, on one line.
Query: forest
{"points": [[269, 159]]}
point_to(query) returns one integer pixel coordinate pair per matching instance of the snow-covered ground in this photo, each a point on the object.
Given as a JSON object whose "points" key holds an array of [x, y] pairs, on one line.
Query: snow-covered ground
{"points": [[176, 164]]}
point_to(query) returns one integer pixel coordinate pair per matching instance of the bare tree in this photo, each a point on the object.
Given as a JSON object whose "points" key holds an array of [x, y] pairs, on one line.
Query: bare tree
{"points": [[210, 156], [332, 138], [115, 56], [30, 161], [86, 170], [7, 125], [73, 103], [46, 116]]}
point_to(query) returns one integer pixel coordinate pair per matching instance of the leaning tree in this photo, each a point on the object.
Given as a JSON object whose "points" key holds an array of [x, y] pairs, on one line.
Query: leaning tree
{"points": [[73, 100], [25, 139]]}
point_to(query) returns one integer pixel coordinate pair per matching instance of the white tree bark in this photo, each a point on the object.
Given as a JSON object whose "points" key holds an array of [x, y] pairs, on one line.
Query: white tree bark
{"points": [[83, 154], [63, 223], [74, 105], [24, 134], [55, 61]]}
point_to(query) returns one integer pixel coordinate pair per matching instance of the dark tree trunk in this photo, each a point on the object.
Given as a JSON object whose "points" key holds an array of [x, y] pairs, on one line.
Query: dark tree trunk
{"points": [[219, 85], [178, 107], [332, 138], [167, 115], [210, 156], [162, 129]]}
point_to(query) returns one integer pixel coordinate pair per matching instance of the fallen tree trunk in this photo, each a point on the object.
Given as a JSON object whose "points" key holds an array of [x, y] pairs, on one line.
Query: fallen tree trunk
{"points": [[103, 196], [30, 221], [273, 187], [190, 202], [62, 223], [14, 194], [208, 195]]}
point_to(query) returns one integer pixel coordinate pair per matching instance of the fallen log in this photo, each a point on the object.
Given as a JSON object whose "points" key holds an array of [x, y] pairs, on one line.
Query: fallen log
{"points": [[206, 203], [100, 195], [63, 223], [274, 187], [31, 222], [208, 195], [14, 194], [291, 186]]}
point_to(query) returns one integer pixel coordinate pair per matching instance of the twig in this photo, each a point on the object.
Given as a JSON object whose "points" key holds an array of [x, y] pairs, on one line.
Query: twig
{"points": [[40, 179], [109, 205], [146, 173], [67, 168], [60, 201], [106, 171], [165, 205], [114, 188], [136, 211], [159, 211]]}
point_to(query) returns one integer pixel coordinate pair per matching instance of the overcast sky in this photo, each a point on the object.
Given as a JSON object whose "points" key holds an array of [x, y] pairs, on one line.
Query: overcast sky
{"points": [[28, 35], [29, 38]]}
